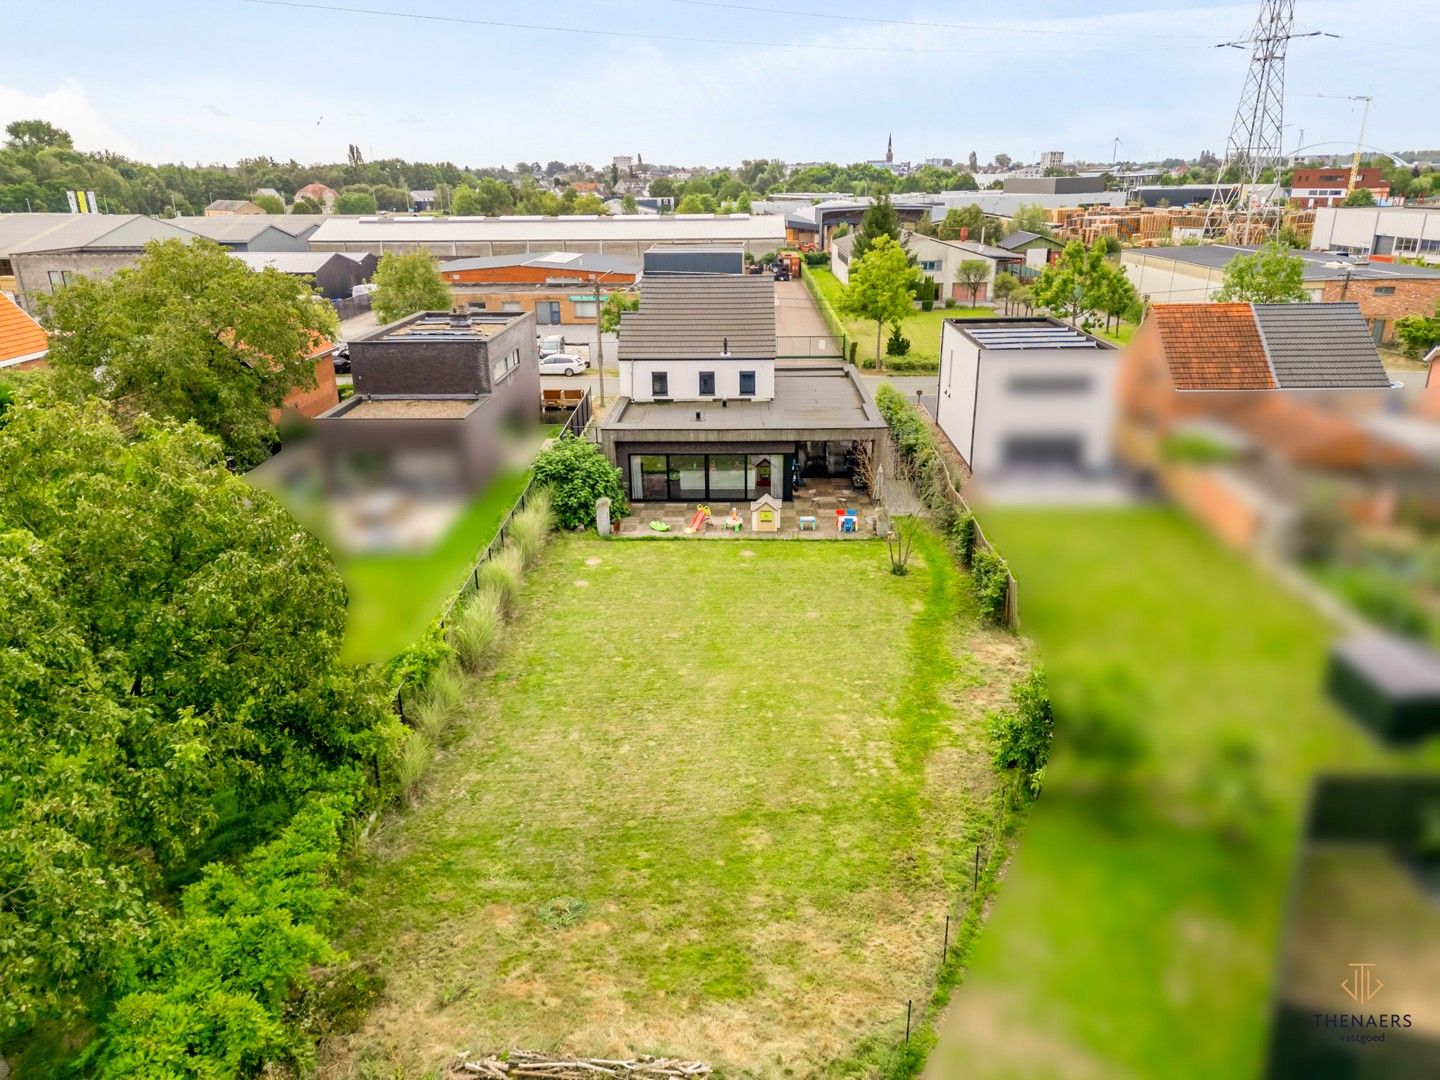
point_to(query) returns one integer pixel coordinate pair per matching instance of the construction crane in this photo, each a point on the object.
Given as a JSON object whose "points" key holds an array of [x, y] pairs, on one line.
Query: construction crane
{"points": [[1359, 139]]}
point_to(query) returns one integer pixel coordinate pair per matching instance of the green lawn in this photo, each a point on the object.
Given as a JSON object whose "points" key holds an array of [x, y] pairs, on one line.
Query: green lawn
{"points": [[394, 596], [758, 770], [922, 327], [1120, 336], [1130, 939]]}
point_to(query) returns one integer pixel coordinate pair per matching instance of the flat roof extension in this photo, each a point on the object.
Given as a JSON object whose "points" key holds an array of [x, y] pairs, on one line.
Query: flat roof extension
{"points": [[1014, 334]]}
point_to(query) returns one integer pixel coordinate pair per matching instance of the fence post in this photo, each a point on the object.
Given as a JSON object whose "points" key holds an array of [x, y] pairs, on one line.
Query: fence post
{"points": [[945, 948], [908, 1006]]}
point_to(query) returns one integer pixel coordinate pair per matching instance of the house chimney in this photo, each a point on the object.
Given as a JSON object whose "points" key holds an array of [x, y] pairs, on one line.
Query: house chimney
{"points": [[964, 232], [725, 346], [459, 317]]}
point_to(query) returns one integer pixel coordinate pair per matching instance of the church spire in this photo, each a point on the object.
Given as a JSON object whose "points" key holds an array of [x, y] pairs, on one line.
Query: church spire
{"points": [[890, 149]]}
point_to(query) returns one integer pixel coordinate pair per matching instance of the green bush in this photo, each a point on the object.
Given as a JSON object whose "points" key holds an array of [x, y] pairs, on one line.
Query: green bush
{"points": [[990, 579], [817, 258], [475, 630], [439, 704], [209, 996], [963, 531], [949, 302], [1021, 735], [897, 344], [501, 576], [576, 474], [530, 528]]}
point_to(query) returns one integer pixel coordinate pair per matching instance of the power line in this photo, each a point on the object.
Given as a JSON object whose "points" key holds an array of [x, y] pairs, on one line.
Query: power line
{"points": [[993, 28], [497, 24]]}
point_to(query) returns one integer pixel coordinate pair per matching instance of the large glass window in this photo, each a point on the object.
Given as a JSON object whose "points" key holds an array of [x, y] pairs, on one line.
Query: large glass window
{"points": [[727, 476], [648, 478], [687, 477]]}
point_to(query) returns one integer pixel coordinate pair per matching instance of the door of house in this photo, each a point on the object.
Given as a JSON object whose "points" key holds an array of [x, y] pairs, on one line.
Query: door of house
{"points": [[547, 312]]}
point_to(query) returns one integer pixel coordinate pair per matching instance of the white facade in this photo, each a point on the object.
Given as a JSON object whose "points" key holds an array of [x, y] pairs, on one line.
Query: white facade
{"points": [[1170, 281], [1040, 408], [937, 259], [1399, 231], [682, 379]]}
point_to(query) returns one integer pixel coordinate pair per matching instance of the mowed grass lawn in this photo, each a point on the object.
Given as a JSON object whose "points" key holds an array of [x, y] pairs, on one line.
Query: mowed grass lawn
{"points": [[921, 327], [392, 597], [1143, 944], [760, 771]]}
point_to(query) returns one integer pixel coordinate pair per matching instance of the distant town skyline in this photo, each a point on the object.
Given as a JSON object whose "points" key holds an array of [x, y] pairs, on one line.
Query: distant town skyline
{"points": [[694, 83]]}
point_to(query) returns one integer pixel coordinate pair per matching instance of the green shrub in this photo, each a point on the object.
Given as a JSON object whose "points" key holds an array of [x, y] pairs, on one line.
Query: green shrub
{"points": [[949, 302], [963, 532], [439, 704], [501, 577], [897, 344], [475, 630], [576, 474], [990, 579], [530, 528], [817, 258], [416, 757], [1021, 735]]}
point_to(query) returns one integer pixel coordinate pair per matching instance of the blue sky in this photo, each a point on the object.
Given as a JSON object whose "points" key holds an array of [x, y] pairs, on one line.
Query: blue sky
{"points": [[217, 80]]}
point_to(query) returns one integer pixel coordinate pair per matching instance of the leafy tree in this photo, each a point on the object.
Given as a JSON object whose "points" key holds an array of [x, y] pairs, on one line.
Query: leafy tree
{"points": [[696, 204], [662, 187], [1418, 334], [1112, 293], [1068, 286], [1359, 197], [466, 202], [1030, 217], [1106, 245], [880, 287], [960, 221], [1021, 735], [589, 203], [577, 473], [409, 282], [1270, 275], [616, 304], [627, 203], [880, 219], [36, 135], [972, 273], [351, 201], [171, 634], [305, 205], [1004, 289], [271, 204], [1003, 160], [192, 334]]}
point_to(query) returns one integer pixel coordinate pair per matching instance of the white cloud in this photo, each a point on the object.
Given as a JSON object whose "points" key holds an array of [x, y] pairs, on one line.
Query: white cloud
{"points": [[67, 106]]}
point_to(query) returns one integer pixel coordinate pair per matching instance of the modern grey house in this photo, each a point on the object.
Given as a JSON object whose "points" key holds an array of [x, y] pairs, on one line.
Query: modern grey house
{"points": [[335, 273], [704, 411], [435, 395]]}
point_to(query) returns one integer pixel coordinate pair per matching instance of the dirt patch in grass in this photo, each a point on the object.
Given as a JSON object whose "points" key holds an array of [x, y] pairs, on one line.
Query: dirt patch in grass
{"points": [[762, 817]]}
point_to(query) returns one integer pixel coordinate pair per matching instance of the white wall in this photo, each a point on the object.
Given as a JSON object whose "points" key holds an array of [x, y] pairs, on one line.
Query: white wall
{"points": [[1004, 411], [1356, 227], [1169, 281], [683, 377]]}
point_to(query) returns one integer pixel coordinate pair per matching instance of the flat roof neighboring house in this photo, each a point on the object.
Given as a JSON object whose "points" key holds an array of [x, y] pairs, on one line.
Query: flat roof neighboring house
{"points": [[627, 234], [23, 341], [231, 207], [336, 274], [559, 287], [253, 232], [679, 258], [46, 251], [1026, 395], [1384, 291], [1314, 187], [1381, 232], [435, 394], [706, 414]]}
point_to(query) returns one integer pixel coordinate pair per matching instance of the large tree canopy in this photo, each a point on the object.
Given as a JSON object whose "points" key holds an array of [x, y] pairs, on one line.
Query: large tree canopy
{"points": [[409, 282], [190, 333], [1270, 275], [169, 637]]}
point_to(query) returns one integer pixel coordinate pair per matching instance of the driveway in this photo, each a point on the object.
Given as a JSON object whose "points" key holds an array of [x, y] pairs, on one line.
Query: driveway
{"points": [[795, 312]]}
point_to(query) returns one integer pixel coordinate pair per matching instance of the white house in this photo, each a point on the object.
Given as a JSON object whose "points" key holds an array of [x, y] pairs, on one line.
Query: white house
{"points": [[1026, 395], [940, 260]]}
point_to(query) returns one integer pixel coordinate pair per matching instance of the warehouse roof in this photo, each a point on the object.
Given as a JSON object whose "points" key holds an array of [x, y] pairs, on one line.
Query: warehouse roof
{"points": [[554, 260], [26, 233], [287, 262], [701, 318], [242, 228], [407, 229], [1319, 265]]}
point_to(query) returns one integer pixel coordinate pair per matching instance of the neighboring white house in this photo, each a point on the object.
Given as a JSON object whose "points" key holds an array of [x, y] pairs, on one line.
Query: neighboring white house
{"points": [[1387, 231], [1026, 395], [940, 260]]}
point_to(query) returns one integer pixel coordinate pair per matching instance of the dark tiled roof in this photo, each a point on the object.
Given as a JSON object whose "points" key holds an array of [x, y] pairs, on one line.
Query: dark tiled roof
{"points": [[1213, 347], [1318, 346], [684, 318], [1016, 239]]}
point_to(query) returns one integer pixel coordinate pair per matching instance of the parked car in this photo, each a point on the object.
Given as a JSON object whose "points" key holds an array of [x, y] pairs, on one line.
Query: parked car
{"points": [[341, 358], [562, 364], [552, 344]]}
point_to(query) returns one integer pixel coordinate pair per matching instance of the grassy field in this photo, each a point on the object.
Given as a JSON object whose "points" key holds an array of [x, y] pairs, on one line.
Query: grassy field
{"points": [[714, 802], [922, 327], [1132, 938], [394, 596]]}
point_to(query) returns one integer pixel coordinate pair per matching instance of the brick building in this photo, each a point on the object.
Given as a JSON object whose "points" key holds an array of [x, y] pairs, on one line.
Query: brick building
{"points": [[557, 287], [1310, 188]]}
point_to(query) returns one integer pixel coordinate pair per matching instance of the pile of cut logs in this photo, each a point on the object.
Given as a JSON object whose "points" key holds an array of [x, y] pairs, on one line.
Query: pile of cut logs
{"points": [[529, 1063]]}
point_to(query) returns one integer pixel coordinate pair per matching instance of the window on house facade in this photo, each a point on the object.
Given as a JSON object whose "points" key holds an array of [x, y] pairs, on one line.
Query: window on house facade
{"points": [[707, 382], [501, 366], [929, 264], [747, 382], [586, 309], [1384, 290], [510, 305], [659, 384], [60, 277]]}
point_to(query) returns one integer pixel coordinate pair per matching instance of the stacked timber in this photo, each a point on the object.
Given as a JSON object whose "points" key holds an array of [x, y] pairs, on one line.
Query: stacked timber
{"points": [[559, 1067]]}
